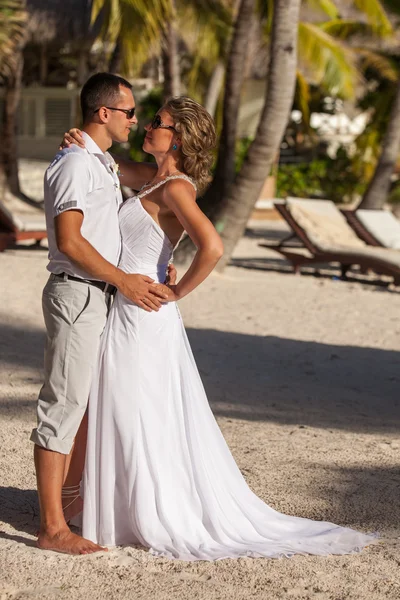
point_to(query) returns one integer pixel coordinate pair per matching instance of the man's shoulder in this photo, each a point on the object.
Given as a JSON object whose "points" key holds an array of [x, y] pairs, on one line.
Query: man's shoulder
{"points": [[67, 158]]}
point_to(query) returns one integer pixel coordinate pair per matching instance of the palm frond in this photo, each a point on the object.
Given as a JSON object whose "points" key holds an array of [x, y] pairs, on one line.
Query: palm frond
{"points": [[13, 18], [376, 15], [302, 97], [326, 6], [392, 5], [218, 10], [138, 23], [329, 62], [206, 36], [383, 66], [344, 29]]}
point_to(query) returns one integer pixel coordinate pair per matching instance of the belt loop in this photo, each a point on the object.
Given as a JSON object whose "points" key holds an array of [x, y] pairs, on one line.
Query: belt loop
{"points": [[65, 276], [106, 288]]}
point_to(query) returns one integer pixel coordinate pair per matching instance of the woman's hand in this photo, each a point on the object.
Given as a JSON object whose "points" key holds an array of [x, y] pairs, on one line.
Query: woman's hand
{"points": [[74, 136], [172, 295], [168, 291], [171, 275]]}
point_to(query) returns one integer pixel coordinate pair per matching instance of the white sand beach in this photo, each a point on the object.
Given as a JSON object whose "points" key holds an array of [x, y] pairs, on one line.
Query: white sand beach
{"points": [[303, 375]]}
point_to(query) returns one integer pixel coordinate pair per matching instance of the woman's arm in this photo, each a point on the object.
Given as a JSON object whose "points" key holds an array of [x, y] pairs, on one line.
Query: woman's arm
{"points": [[132, 174], [180, 197]]}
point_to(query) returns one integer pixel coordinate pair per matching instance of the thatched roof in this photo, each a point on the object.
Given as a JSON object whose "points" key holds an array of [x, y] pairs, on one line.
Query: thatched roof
{"points": [[58, 21]]}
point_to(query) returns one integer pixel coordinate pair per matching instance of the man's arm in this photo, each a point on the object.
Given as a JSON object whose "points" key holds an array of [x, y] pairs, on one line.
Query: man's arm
{"points": [[138, 288], [135, 174], [68, 180]]}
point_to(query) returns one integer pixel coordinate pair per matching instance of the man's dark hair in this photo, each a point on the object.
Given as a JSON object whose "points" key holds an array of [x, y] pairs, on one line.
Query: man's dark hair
{"points": [[100, 90]]}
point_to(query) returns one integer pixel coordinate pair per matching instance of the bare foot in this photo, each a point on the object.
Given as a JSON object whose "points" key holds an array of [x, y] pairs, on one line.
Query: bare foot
{"points": [[73, 508], [66, 542]]}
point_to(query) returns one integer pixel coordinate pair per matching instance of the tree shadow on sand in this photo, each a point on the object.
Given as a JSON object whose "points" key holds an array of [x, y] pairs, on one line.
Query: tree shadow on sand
{"points": [[21, 345], [357, 497], [267, 378], [284, 381], [299, 382], [20, 509]]}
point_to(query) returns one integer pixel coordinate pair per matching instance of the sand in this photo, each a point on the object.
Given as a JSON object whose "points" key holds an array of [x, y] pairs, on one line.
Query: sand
{"points": [[303, 375]]}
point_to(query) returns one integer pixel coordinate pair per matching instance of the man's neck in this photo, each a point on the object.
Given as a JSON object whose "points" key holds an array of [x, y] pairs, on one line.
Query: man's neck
{"points": [[98, 135]]}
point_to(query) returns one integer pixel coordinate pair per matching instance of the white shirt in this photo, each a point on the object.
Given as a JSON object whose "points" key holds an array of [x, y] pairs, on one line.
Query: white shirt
{"points": [[84, 179]]}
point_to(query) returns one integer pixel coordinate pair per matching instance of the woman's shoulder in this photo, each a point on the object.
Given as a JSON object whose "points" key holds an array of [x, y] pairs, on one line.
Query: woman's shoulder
{"points": [[179, 182]]}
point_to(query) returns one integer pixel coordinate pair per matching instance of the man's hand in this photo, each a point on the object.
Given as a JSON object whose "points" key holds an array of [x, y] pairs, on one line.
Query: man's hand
{"points": [[143, 292], [73, 136], [171, 275]]}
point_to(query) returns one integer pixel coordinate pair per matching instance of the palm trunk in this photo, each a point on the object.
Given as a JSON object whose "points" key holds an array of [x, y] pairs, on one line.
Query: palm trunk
{"points": [[225, 169], [170, 58], [82, 68], [44, 64], [12, 95], [378, 189], [116, 57], [239, 202], [214, 88]]}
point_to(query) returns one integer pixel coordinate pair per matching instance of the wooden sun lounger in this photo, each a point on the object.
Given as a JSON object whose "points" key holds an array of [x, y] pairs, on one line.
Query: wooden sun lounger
{"points": [[298, 258], [13, 230], [359, 228], [381, 229]]}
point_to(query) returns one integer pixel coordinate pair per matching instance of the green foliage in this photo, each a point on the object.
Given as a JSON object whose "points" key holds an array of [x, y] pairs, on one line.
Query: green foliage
{"points": [[324, 177], [394, 195], [242, 147], [13, 18], [377, 99]]}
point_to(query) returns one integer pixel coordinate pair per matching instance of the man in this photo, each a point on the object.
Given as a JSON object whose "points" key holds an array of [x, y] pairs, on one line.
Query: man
{"points": [[82, 197]]}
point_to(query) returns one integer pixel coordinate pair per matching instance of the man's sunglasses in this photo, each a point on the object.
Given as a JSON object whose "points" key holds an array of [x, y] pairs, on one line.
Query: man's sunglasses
{"points": [[129, 112], [157, 123]]}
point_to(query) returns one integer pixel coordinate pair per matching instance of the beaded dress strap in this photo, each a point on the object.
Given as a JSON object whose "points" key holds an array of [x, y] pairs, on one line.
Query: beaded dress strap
{"points": [[160, 183]]}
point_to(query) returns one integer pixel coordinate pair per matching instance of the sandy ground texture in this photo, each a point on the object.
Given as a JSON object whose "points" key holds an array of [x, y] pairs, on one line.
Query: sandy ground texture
{"points": [[303, 375]]}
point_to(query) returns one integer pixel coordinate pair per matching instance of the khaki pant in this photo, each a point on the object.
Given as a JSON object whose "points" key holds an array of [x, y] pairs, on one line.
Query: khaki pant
{"points": [[75, 314]]}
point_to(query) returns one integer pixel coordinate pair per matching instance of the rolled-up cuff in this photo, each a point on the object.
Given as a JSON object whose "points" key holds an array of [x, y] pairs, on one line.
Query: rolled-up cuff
{"points": [[51, 443]]}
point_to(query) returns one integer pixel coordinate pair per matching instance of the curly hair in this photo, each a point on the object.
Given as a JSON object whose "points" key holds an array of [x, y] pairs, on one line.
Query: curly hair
{"points": [[197, 132]]}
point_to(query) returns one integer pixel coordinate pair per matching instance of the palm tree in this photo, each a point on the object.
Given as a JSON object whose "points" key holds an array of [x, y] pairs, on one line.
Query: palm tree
{"points": [[13, 18], [135, 25], [239, 201], [331, 64], [378, 188], [389, 103], [170, 55], [146, 29]]}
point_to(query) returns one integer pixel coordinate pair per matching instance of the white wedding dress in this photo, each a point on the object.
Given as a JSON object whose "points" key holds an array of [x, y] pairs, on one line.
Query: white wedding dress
{"points": [[158, 471]]}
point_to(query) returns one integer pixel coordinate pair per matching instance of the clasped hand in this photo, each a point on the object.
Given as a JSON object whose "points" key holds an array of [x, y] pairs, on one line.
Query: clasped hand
{"points": [[146, 294]]}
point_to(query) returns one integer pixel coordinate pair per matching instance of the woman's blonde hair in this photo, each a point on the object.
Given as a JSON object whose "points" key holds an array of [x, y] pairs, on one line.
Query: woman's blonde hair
{"points": [[196, 129]]}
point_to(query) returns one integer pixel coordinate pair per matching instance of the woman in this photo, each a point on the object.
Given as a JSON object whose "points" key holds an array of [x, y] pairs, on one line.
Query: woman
{"points": [[158, 471]]}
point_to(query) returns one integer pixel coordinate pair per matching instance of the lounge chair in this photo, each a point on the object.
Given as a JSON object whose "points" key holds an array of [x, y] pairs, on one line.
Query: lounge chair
{"points": [[13, 229], [375, 227], [327, 237]]}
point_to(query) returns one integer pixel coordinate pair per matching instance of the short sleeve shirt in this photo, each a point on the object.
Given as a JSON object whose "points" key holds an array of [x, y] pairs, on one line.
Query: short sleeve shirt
{"points": [[84, 179]]}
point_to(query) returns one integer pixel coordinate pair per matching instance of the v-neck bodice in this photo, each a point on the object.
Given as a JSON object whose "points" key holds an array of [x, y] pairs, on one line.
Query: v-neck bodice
{"points": [[146, 248]]}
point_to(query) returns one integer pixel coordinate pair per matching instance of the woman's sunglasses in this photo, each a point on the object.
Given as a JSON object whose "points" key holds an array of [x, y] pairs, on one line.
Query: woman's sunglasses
{"points": [[129, 112], [157, 123]]}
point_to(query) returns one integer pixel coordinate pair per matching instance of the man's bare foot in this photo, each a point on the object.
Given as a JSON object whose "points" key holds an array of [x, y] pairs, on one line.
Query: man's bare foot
{"points": [[67, 542], [72, 509]]}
